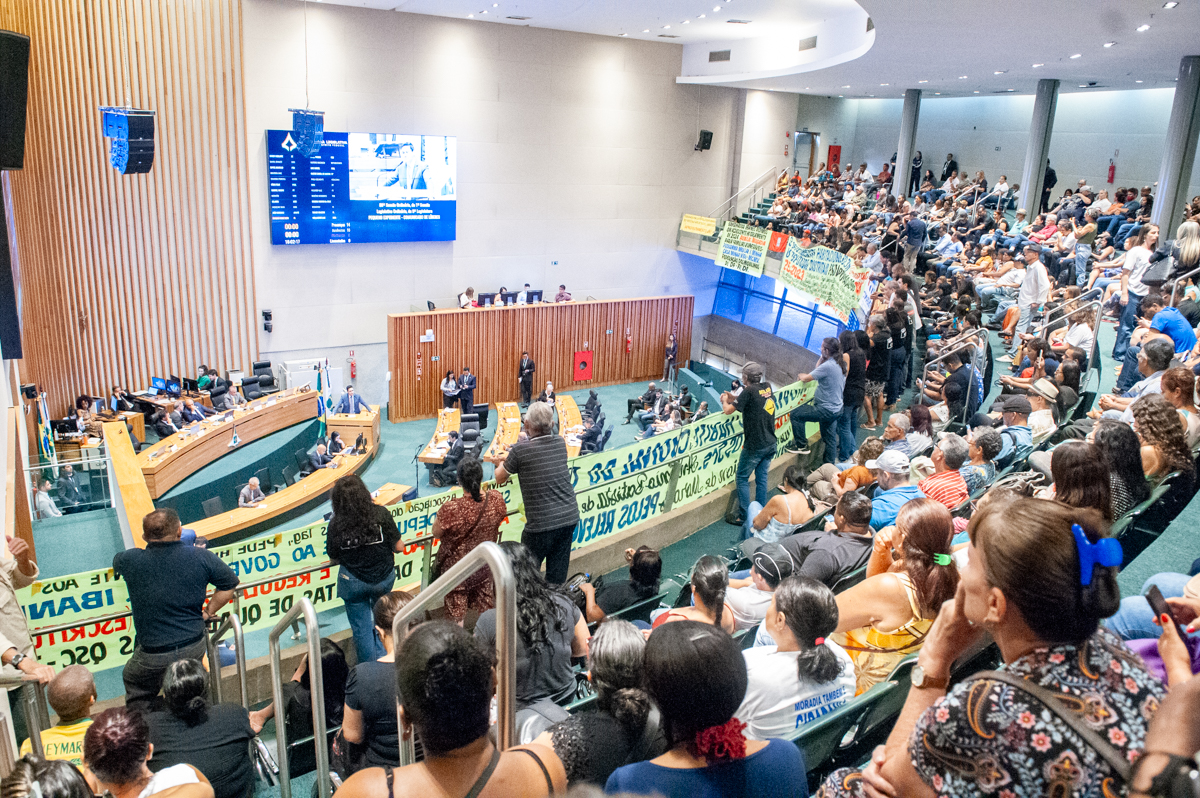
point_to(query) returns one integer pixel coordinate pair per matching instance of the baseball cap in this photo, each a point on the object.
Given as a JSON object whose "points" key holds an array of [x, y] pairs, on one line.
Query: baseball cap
{"points": [[773, 562], [1018, 404], [893, 462], [1046, 388]]}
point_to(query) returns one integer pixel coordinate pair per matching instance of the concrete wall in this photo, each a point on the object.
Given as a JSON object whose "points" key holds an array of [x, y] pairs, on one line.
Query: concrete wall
{"points": [[783, 360]]}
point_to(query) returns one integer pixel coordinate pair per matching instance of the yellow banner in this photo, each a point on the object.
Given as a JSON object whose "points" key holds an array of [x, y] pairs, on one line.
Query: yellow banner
{"points": [[700, 225]]}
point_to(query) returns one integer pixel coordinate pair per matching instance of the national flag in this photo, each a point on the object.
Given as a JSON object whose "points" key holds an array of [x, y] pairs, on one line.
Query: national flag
{"points": [[45, 434], [235, 440], [321, 402]]}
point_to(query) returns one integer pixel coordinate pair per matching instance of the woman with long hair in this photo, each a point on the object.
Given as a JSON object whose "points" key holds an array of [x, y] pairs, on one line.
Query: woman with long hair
{"points": [[213, 737], [783, 513], [920, 437], [449, 388], [1121, 448], [1184, 249], [887, 616], [550, 631], [369, 711], [461, 525], [1080, 475], [116, 754], [709, 583], [805, 674], [1164, 448], [34, 777], [1133, 290], [826, 406], [362, 539], [297, 696], [1179, 388], [853, 393]]}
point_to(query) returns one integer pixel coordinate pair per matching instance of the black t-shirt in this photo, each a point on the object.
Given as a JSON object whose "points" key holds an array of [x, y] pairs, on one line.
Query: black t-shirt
{"points": [[615, 596], [900, 337], [371, 690], [877, 360], [545, 672], [218, 747], [1190, 311], [592, 745], [962, 377], [827, 556], [368, 554], [856, 380], [757, 406]]}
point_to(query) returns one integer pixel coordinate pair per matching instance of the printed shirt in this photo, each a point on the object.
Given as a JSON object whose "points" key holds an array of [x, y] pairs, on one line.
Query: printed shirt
{"points": [[976, 476], [64, 741], [777, 703]]}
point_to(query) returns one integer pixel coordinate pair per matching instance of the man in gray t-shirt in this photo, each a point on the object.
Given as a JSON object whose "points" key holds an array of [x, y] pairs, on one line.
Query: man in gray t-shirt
{"points": [[551, 510], [826, 406]]}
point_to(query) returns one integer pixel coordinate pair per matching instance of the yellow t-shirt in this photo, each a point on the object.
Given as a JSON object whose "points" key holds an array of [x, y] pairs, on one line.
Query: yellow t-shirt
{"points": [[64, 741]]}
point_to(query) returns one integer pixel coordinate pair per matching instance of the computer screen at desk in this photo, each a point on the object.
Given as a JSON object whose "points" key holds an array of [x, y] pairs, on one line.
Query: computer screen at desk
{"points": [[486, 300], [533, 297], [509, 298], [158, 383]]}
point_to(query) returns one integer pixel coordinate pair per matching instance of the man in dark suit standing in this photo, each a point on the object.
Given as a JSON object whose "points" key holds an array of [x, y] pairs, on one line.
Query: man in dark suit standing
{"points": [[466, 390], [525, 377], [949, 168], [352, 403], [70, 489]]}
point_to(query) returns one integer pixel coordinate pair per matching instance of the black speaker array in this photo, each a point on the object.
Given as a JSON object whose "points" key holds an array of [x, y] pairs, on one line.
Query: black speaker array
{"points": [[14, 97]]}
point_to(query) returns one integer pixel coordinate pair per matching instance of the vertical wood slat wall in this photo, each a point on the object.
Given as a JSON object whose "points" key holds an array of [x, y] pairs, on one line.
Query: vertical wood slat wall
{"points": [[490, 341], [124, 278]]}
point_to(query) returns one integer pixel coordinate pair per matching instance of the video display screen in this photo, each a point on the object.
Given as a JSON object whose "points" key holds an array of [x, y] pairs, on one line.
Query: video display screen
{"points": [[362, 187]]}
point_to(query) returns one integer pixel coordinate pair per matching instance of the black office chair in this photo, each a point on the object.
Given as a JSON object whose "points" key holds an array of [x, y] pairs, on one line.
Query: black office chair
{"points": [[261, 367], [266, 383], [216, 393], [482, 411], [212, 506], [302, 462], [604, 439], [252, 388], [291, 475], [470, 438], [264, 480], [469, 422]]}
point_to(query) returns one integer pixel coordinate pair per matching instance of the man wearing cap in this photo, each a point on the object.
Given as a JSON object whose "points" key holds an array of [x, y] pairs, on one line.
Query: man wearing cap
{"points": [[749, 598], [756, 403], [894, 490], [1015, 433], [1035, 289], [946, 484], [1043, 398]]}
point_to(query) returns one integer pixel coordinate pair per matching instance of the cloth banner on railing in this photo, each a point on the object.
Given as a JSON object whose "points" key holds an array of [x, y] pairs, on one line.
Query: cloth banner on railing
{"points": [[743, 248], [698, 225], [616, 490], [822, 273]]}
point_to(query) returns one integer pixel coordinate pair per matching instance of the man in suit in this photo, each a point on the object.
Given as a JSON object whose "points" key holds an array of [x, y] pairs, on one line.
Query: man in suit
{"points": [[163, 424], [446, 474], [640, 402], [194, 412], [177, 416], [685, 398], [120, 400], [251, 494], [70, 488], [525, 377], [466, 390], [949, 168], [701, 412], [589, 441], [352, 403], [320, 458]]}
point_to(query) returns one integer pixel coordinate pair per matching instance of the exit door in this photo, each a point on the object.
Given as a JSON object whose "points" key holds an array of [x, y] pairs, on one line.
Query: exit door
{"points": [[804, 158]]}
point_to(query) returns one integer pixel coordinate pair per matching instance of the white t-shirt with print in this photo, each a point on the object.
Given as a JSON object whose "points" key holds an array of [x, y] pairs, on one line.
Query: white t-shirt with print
{"points": [[777, 703], [749, 605]]}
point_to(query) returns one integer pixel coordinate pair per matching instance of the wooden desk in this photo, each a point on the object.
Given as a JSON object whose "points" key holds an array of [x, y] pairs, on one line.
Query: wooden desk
{"points": [[508, 427], [137, 421], [570, 423], [80, 449], [350, 425], [173, 459], [448, 419]]}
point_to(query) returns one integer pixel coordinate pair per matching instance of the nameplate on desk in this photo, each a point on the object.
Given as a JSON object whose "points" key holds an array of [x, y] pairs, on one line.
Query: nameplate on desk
{"points": [[270, 402], [174, 448]]}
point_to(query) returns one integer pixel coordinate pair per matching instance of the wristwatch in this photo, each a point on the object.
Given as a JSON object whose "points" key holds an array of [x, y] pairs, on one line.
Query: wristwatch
{"points": [[17, 659], [921, 680]]}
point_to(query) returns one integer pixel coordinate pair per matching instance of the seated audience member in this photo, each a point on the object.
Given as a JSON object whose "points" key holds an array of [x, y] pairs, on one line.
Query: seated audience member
{"points": [[297, 701], [369, 714], [190, 731], [709, 584], [980, 470], [446, 680], [71, 694], [43, 503], [116, 752], [1081, 477], [1024, 557], [1015, 434], [550, 631], [1159, 321], [1164, 453], [34, 777], [701, 412], [622, 728], [697, 678], [946, 484], [461, 525], [887, 616], [841, 548], [1152, 362], [828, 483], [783, 514], [642, 402], [894, 490], [1121, 448], [920, 436], [645, 573], [749, 598], [1043, 402], [803, 675], [252, 494], [895, 434], [1179, 388], [70, 487]]}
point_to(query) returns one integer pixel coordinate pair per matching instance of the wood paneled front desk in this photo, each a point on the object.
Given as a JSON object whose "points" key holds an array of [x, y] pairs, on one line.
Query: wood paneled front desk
{"points": [[349, 425], [570, 423], [173, 459], [508, 427]]}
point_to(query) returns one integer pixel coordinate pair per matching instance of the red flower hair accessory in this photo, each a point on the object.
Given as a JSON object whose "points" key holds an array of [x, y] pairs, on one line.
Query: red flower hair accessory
{"points": [[723, 742]]}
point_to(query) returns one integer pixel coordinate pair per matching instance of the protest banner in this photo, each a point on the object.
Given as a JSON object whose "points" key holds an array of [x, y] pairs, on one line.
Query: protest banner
{"points": [[822, 273], [743, 248], [699, 225]]}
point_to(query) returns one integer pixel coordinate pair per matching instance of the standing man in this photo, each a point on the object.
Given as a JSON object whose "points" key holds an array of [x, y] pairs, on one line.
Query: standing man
{"points": [[167, 582], [757, 406], [949, 168], [352, 403], [525, 374], [1035, 289], [466, 390], [669, 355], [914, 240], [70, 490], [1049, 181], [551, 510]]}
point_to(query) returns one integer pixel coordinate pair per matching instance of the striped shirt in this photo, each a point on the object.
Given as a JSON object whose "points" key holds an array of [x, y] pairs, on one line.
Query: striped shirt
{"points": [[546, 490], [948, 488]]}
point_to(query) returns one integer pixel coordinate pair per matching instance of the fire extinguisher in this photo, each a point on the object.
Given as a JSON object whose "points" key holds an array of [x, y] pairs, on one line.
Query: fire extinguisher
{"points": [[1112, 167], [353, 366], [628, 343]]}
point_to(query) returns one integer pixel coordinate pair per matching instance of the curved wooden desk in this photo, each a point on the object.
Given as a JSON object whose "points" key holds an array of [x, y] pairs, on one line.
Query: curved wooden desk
{"points": [[173, 459], [432, 454], [570, 423], [508, 427]]}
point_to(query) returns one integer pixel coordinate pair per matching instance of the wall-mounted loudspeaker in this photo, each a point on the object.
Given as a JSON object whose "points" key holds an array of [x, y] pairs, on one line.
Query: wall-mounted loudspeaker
{"points": [[705, 141], [14, 96]]}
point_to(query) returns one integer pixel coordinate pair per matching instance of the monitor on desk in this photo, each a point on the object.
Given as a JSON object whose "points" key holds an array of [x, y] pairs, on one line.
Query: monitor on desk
{"points": [[360, 443], [191, 386], [234, 377], [508, 298], [533, 297], [158, 384], [64, 426], [173, 386], [486, 300]]}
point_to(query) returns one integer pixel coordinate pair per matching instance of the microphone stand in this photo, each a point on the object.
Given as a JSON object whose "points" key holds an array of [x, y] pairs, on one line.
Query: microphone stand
{"points": [[417, 470]]}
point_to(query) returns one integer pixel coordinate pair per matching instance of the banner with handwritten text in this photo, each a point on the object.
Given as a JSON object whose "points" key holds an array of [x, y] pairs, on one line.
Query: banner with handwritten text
{"points": [[822, 273], [743, 248]]}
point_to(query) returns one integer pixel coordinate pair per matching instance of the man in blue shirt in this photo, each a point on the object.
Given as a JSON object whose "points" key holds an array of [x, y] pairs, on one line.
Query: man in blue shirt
{"points": [[1015, 434], [352, 403], [894, 491], [1158, 321], [914, 240]]}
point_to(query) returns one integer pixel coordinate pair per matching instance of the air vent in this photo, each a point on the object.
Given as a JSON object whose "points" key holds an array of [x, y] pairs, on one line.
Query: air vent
{"points": [[808, 44], [738, 21], [517, 18], [667, 36], [718, 55], [870, 24]]}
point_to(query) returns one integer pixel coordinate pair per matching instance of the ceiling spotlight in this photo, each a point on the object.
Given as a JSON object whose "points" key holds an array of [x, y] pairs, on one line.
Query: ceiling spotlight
{"points": [[647, 30], [846, 86], [1170, 4], [622, 34], [937, 92], [883, 84], [1143, 28], [1083, 85], [922, 81], [483, 12], [686, 21], [702, 16], [470, 16], [1010, 89], [666, 27], [1137, 81], [716, 8], [1035, 66], [962, 77], [977, 91], [1109, 44], [999, 71], [1077, 55]]}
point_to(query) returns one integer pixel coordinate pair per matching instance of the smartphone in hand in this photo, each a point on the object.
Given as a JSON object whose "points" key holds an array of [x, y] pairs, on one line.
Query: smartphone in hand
{"points": [[1161, 608]]}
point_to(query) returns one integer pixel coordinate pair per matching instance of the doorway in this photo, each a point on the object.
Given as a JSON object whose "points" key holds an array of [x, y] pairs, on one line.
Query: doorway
{"points": [[804, 156]]}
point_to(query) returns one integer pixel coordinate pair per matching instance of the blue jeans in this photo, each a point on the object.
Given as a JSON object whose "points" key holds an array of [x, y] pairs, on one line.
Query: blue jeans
{"points": [[1023, 323], [847, 429], [1135, 619], [1129, 317], [359, 598], [748, 528], [827, 419], [1129, 371], [896, 375], [759, 464], [1082, 253]]}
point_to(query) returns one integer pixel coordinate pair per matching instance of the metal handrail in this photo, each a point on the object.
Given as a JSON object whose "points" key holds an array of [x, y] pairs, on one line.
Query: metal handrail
{"points": [[1069, 307], [1094, 305], [752, 187], [37, 717], [316, 686], [233, 622], [1174, 281], [959, 344], [493, 557]]}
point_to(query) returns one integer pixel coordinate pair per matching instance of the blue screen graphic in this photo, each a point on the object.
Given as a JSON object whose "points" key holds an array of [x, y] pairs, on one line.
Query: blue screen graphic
{"points": [[362, 187]]}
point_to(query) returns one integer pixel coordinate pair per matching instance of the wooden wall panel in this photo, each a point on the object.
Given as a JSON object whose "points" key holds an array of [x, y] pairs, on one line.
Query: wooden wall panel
{"points": [[490, 341], [125, 278]]}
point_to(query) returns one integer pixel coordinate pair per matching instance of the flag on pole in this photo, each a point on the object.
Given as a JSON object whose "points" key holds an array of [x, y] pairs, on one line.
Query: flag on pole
{"points": [[235, 441], [45, 434], [321, 400]]}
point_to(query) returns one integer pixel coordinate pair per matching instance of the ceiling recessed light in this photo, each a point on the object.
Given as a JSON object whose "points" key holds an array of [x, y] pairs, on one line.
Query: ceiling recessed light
{"points": [[846, 86], [483, 12], [1010, 89], [962, 77], [686, 21], [666, 27], [1077, 55], [977, 91], [806, 88], [1137, 81], [999, 71], [1170, 4], [922, 81], [702, 16], [1035, 66], [716, 8], [1109, 44], [1083, 85], [937, 92], [470, 16], [1143, 28], [883, 84], [841, 95], [622, 34]]}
